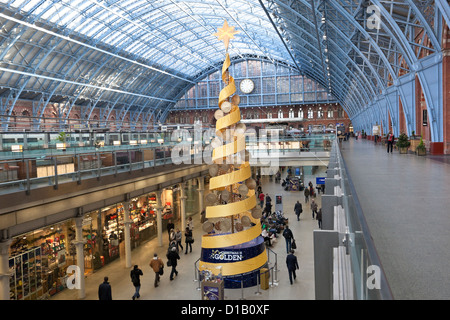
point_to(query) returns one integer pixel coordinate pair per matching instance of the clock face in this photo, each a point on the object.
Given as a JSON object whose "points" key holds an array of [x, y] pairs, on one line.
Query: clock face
{"points": [[247, 86]]}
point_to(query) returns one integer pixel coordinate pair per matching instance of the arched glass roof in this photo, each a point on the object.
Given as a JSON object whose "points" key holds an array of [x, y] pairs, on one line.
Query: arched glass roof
{"points": [[143, 55]]}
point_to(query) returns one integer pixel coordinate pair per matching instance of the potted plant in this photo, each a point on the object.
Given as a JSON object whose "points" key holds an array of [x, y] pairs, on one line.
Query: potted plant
{"points": [[421, 150], [403, 143], [62, 139], [98, 144]]}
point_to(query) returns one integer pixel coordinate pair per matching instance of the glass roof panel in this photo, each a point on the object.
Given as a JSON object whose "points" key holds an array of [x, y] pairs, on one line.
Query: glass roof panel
{"points": [[181, 26]]}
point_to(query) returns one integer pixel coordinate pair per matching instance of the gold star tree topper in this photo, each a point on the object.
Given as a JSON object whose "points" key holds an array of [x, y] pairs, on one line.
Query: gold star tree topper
{"points": [[226, 33]]}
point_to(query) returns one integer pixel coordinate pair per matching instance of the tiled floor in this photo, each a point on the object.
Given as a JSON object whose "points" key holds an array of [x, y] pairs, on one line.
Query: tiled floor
{"points": [[405, 199], [183, 287]]}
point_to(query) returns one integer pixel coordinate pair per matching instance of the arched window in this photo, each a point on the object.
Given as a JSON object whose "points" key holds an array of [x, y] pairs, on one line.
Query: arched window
{"points": [[300, 113], [280, 114], [291, 113], [330, 112], [320, 113], [269, 115], [310, 113]]}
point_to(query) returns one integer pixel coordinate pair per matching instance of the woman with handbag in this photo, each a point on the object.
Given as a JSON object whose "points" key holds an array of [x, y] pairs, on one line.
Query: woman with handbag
{"points": [[172, 257], [188, 239]]}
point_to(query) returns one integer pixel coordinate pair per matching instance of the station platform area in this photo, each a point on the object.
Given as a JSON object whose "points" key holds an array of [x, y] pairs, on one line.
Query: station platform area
{"points": [[405, 200], [183, 287]]}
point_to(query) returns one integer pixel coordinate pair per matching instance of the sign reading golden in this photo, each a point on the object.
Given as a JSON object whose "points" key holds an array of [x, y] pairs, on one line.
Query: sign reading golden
{"points": [[232, 244]]}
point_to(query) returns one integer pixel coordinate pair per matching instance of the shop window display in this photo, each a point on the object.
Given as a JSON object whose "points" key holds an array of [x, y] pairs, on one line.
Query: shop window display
{"points": [[91, 246], [38, 263], [112, 233], [144, 217]]}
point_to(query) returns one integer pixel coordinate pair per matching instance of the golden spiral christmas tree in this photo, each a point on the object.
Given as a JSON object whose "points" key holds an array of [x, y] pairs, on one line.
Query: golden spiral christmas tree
{"points": [[233, 241]]}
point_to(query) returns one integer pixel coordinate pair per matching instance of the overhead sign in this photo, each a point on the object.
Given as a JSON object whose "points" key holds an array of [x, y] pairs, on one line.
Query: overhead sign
{"points": [[320, 180], [376, 130]]}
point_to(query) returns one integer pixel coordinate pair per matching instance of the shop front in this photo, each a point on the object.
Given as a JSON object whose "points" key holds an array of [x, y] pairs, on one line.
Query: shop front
{"points": [[38, 260]]}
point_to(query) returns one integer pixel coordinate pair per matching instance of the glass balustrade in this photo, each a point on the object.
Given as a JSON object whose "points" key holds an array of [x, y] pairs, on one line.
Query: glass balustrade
{"points": [[34, 164], [370, 282]]}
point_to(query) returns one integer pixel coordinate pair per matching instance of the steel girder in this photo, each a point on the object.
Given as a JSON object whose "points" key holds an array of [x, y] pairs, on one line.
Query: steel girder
{"points": [[138, 57], [409, 50]]}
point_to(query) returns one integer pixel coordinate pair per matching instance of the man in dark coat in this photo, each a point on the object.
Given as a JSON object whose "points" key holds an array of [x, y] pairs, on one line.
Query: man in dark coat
{"points": [[298, 210], [319, 218], [288, 236], [173, 256], [292, 265], [104, 290], [135, 278]]}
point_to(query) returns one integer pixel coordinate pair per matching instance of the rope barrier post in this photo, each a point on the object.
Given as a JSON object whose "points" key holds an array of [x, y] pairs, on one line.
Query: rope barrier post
{"points": [[275, 278], [268, 256], [199, 288], [242, 289], [275, 270], [273, 284], [196, 278], [258, 280]]}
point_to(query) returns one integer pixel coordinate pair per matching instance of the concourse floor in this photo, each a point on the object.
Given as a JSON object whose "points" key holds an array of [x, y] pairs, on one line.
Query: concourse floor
{"points": [[183, 287], [406, 202]]}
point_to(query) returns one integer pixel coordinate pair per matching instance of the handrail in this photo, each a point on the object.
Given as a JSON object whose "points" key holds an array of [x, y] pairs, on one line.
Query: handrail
{"points": [[361, 249], [271, 270], [385, 292], [77, 175]]}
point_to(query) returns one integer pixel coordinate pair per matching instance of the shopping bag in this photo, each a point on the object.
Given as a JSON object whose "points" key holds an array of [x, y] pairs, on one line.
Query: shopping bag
{"points": [[293, 245]]}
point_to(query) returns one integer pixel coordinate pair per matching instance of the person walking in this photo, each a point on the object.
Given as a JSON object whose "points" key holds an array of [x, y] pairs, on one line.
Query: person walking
{"points": [[172, 235], [189, 239], [292, 265], [261, 199], [268, 199], [298, 210], [288, 236], [178, 236], [190, 223], [172, 257], [306, 193], [319, 218], [104, 290], [311, 190], [313, 208], [390, 141], [170, 226], [156, 264], [135, 278]]}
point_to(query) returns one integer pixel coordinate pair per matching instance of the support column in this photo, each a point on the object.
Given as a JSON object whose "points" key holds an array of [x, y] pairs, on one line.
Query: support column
{"points": [[201, 193], [4, 268], [446, 87], [159, 209], [127, 225], [183, 207], [324, 242], [79, 246]]}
